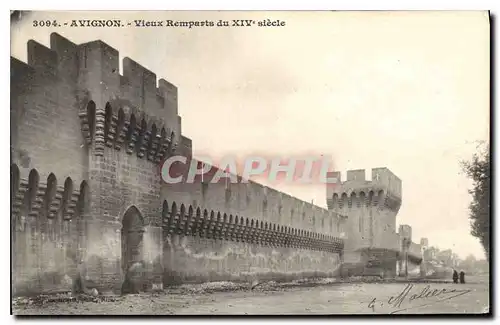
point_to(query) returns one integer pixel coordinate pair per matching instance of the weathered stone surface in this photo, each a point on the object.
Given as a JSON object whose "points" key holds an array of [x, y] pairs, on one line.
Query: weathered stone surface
{"points": [[88, 201]]}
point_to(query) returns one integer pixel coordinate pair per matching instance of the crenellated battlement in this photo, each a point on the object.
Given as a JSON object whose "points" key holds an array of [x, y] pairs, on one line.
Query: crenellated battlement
{"points": [[384, 188], [381, 177], [134, 109], [405, 233], [138, 84]]}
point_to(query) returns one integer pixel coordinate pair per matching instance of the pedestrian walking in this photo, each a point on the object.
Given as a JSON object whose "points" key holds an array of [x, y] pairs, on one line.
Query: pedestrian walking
{"points": [[462, 277]]}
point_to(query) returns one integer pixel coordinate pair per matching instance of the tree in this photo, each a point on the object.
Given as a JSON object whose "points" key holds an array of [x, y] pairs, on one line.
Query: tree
{"points": [[478, 170]]}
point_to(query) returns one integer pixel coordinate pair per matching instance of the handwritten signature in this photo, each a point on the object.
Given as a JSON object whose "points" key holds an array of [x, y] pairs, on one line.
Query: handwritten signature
{"points": [[397, 302]]}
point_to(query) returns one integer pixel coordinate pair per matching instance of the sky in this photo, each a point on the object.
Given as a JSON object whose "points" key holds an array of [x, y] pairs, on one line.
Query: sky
{"points": [[406, 91]]}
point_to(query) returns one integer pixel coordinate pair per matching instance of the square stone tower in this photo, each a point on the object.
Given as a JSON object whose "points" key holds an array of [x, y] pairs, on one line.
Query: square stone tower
{"points": [[372, 243]]}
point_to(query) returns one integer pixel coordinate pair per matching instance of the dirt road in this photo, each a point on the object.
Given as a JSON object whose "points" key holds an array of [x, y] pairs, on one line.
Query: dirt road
{"points": [[333, 298]]}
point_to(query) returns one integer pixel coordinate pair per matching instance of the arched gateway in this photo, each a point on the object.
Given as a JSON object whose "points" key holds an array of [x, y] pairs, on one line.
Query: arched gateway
{"points": [[132, 242]]}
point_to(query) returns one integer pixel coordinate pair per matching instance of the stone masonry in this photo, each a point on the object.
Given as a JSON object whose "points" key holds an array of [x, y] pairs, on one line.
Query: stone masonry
{"points": [[87, 199]]}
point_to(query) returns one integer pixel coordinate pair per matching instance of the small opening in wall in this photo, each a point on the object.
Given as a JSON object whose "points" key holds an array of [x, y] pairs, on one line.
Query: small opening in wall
{"points": [[91, 111]]}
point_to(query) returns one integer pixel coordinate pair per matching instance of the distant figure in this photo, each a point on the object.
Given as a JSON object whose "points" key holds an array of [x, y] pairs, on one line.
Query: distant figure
{"points": [[455, 276], [462, 277]]}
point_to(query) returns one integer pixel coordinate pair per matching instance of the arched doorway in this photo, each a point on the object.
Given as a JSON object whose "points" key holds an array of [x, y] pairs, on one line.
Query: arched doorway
{"points": [[132, 233]]}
